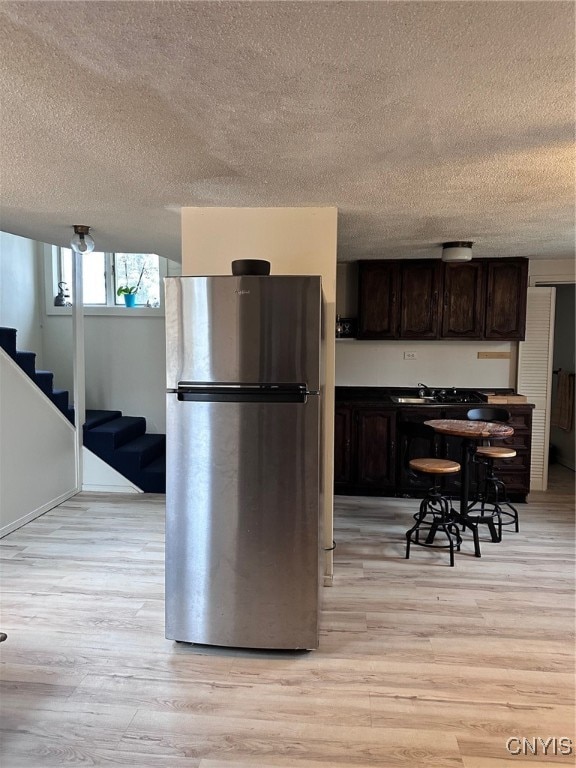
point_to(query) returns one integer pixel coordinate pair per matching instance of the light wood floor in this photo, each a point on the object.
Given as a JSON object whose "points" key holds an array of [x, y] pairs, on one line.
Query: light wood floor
{"points": [[420, 664]]}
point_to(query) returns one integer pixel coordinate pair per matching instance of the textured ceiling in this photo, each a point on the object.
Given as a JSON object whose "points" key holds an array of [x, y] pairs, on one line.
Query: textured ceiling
{"points": [[421, 121]]}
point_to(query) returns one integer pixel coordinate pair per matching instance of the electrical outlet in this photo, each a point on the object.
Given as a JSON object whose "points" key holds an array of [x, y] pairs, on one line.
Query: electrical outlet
{"points": [[409, 355]]}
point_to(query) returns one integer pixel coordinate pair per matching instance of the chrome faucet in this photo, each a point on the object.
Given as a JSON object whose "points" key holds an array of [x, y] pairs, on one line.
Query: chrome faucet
{"points": [[424, 389]]}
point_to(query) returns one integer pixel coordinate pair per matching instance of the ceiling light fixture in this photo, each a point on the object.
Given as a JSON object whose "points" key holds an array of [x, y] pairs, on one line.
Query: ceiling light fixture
{"points": [[82, 241], [459, 250]]}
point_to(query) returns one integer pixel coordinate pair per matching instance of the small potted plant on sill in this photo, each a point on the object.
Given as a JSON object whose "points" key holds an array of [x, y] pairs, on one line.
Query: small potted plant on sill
{"points": [[129, 291]]}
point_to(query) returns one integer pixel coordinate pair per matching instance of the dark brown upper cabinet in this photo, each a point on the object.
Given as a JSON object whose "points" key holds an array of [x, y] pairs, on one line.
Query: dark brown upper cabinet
{"points": [[463, 301], [378, 287], [506, 289], [398, 299], [430, 299], [420, 287]]}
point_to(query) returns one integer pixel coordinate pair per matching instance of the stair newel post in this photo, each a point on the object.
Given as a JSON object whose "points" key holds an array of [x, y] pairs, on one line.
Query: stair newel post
{"points": [[79, 363], [81, 243]]}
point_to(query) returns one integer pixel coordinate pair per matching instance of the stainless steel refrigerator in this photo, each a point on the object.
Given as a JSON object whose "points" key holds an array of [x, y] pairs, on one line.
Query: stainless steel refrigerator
{"points": [[243, 460]]}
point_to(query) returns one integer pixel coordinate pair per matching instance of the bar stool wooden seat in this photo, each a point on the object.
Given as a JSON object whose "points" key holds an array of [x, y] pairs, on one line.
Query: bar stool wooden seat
{"points": [[492, 499], [435, 514], [493, 452]]}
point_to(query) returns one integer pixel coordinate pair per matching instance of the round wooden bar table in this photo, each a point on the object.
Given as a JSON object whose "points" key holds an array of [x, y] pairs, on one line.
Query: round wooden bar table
{"points": [[470, 431]]}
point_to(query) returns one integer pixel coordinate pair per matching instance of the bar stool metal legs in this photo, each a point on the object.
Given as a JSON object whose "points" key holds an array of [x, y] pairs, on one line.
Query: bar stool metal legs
{"points": [[493, 497], [435, 515]]}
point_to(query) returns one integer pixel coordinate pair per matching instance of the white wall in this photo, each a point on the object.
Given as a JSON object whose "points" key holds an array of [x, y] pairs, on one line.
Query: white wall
{"points": [[125, 363], [295, 241], [126, 367], [544, 271], [58, 350], [437, 364], [37, 468], [20, 291]]}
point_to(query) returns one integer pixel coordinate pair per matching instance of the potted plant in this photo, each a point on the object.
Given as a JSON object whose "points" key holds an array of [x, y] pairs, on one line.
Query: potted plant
{"points": [[129, 291]]}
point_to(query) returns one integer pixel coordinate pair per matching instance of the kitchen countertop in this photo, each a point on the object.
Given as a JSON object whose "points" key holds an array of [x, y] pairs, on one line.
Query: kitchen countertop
{"points": [[384, 394]]}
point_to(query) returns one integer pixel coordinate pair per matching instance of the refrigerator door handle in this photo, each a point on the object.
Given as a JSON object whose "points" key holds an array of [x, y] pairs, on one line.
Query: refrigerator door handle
{"points": [[246, 393]]}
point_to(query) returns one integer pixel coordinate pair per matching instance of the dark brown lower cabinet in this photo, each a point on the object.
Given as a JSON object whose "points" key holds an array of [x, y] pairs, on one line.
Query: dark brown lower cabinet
{"points": [[365, 450], [376, 448], [343, 445], [372, 450], [516, 472]]}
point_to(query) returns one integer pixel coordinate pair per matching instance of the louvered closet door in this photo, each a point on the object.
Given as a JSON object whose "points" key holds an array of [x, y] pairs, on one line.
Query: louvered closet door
{"points": [[535, 376]]}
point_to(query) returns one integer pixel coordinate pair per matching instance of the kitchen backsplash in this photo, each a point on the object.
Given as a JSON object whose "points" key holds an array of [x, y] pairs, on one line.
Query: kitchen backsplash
{"points": [[435, 363]]}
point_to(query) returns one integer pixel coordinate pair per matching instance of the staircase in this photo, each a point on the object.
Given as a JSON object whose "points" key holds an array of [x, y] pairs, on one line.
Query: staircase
{"points": [[120, 441]]}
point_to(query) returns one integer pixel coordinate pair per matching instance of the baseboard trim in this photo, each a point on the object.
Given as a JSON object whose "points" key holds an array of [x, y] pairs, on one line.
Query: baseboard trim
{"points": [[94, 488], [36, 513]]}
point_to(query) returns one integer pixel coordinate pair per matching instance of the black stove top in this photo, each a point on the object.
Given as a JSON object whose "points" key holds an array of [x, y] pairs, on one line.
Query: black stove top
{"points": [[454, 396], [458, 399]]}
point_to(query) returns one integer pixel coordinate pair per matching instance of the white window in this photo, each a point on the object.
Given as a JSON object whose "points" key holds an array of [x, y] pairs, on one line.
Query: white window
{"points": [[137, 273], [108, 276], [93, 274]]}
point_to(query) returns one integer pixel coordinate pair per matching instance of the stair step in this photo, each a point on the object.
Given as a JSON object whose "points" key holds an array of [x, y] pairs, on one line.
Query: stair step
{"points": [[153, 476], [112, 434], [138, 453], [8, 340], [69, 413], [45, 380], [94, 417], [60, 399], [158, 465], [26, 361], [152, 482]]}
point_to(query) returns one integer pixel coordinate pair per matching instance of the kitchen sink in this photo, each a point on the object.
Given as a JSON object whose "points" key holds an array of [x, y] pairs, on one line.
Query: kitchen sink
{"points": [[412, 400]]}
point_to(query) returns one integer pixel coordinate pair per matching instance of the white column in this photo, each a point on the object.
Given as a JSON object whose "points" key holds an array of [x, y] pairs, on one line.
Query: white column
{"points": [[79, 391], [296, 241]]}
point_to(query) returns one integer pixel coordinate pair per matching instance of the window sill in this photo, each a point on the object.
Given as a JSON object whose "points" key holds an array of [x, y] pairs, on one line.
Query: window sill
{"points": [[92, 311]]}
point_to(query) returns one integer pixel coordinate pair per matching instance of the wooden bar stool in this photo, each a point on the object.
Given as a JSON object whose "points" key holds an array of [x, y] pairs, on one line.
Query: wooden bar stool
{"points": [[492, 499], [435, 514]]}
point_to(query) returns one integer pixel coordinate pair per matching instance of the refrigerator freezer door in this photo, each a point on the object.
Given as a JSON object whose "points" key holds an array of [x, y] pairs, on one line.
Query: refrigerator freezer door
{"points": [[243, 329], [242, 520]]}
